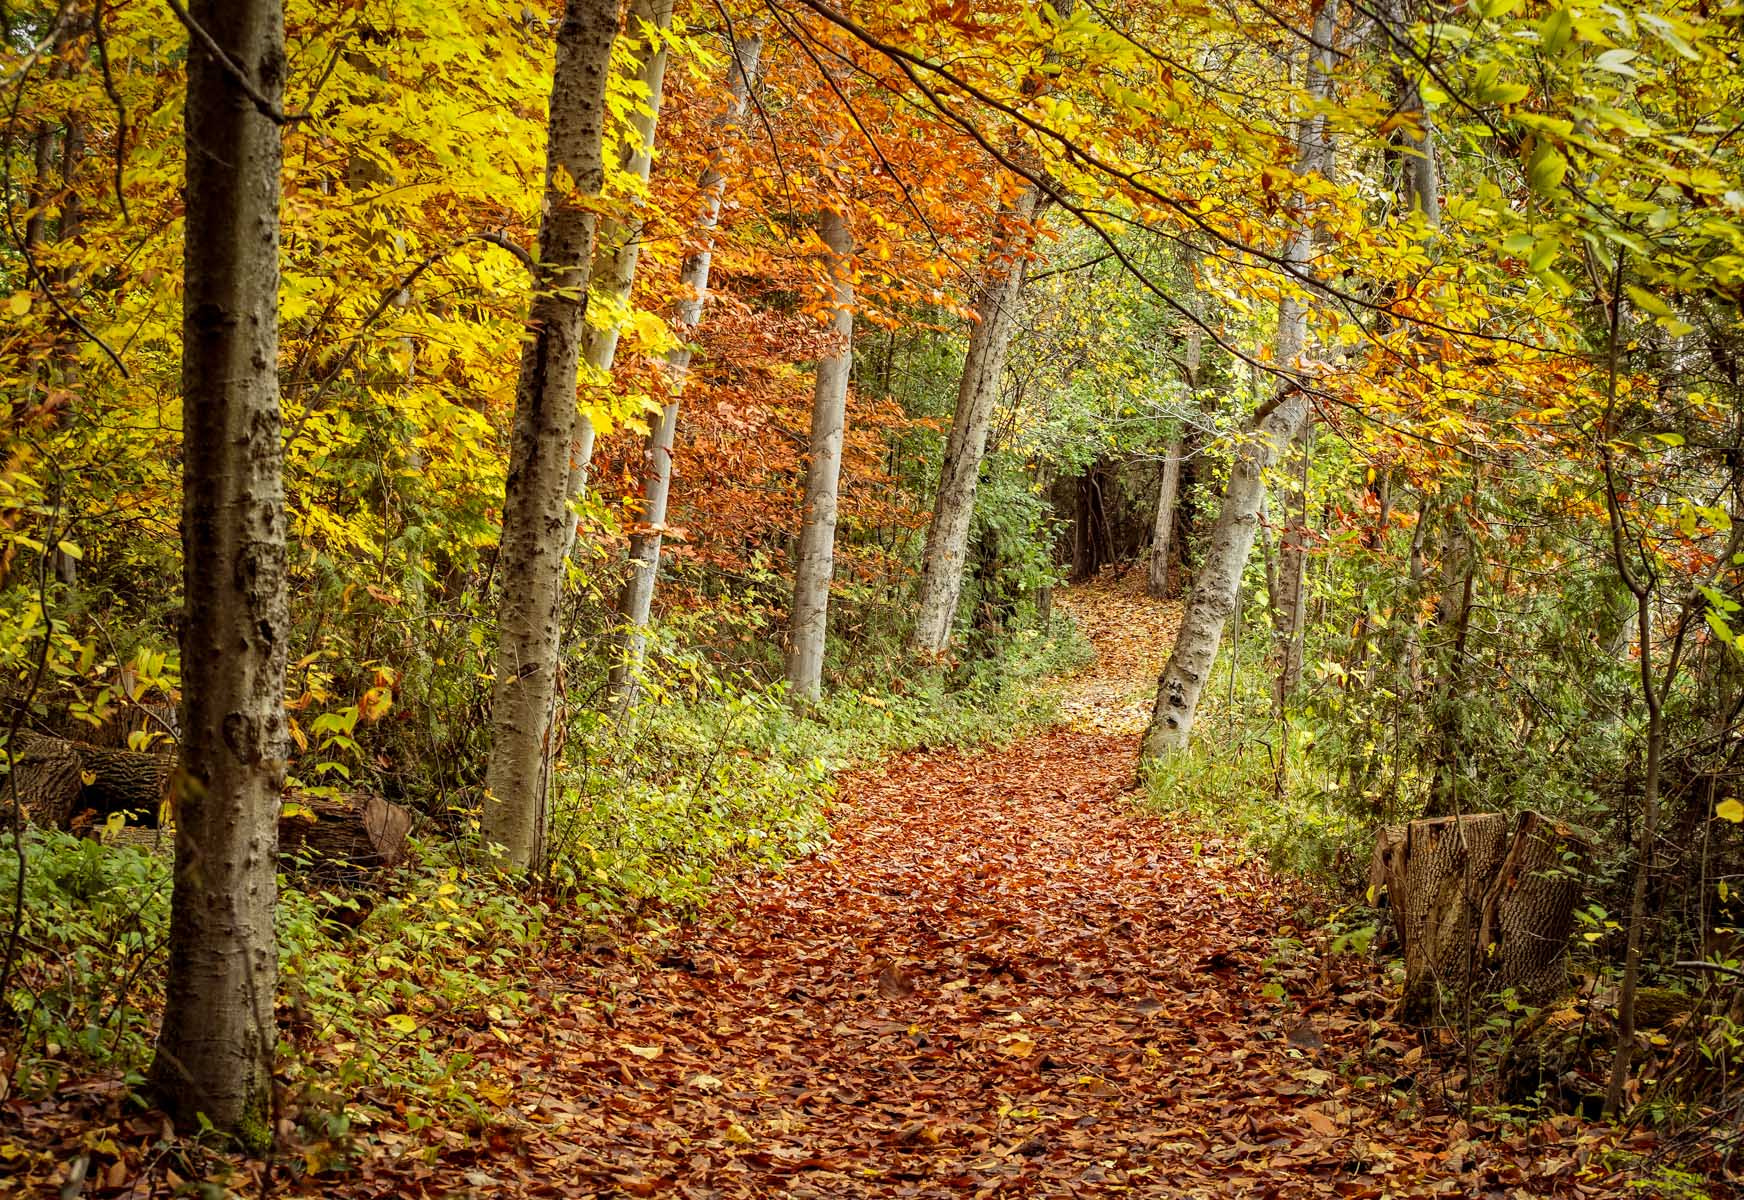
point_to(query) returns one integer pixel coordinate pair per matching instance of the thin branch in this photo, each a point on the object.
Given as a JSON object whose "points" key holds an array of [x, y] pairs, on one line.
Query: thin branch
{"points": [[238, 76]]}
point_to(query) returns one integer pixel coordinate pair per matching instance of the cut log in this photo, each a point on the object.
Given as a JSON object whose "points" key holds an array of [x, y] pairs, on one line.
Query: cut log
{"points": [[1480, 903], [70, 785], [353, 832]]}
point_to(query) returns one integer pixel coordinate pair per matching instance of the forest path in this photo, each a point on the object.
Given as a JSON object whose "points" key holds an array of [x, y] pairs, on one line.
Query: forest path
{"points": [[1002, 979]]}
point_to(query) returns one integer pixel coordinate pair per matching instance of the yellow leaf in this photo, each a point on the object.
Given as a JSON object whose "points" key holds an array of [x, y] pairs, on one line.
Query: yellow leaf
{"points": [[1729, 810], [644, 1051], [19, 303], [402, 1023]]}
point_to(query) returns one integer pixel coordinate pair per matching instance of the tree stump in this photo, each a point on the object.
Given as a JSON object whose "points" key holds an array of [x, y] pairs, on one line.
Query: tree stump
{"points": [[1528, 910], [1479, 905]]}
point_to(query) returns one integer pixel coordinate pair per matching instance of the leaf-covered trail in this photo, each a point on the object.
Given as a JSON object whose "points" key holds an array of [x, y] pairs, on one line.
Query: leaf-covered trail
{"points": [[1001, 980]]}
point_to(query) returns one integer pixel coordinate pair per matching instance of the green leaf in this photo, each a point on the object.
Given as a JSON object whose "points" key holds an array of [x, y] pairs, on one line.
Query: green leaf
{"points": [[1546, 168], [1647, 302], [1554, 32]]}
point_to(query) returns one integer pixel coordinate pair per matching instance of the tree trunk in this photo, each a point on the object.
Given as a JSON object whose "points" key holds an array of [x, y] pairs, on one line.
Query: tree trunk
{"points": [[1480, 906], [1290, 614], [619, 242], [215, 1047], [345, 837], [814, 561], [536, 516], [636, 602], [60, 782], [942, 562], [1162, 533], [1219, 580]]}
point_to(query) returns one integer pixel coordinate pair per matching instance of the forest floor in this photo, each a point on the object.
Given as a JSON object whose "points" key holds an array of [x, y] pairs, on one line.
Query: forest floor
{"points": [[1003, 978]]}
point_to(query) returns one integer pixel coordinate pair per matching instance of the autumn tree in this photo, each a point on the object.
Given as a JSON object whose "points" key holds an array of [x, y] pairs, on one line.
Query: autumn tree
{"points": [[636, 602], [215, 1049], [1269, 432], [808, 621], [536, 514]]}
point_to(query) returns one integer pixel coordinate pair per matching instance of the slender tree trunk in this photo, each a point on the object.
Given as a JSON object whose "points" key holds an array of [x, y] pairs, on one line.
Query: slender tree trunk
{"points": [[636, 602], [814, 561], [1291, 612], [942, 562], [214, 1051], [1218, 582], [536, 515], [619, 242], [1162, 532]]}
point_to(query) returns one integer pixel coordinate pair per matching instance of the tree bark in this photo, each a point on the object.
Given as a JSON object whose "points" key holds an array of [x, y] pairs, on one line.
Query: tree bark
{"points": [[1480, 903], [619, 242], [1290, 613], [809, 622], [1163, 531], [1219, 580], [536, 517], [637, 600], [942, 562], [215, 1048]]}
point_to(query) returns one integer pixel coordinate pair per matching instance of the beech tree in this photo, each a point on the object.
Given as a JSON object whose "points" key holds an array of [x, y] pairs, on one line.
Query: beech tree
{"points": [[536, 513], [1218, 582], [637, 598], [215, 1049], [947, 543], [619, 240], [809, 615]]}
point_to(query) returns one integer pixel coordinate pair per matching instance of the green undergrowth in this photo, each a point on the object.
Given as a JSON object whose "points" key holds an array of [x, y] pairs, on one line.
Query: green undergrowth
{"points": [[1251, 775], [697, 777], [385, 982]]}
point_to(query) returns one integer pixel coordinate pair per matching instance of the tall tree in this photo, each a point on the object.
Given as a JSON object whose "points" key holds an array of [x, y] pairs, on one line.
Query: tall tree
{"points": [[941, 581], [536, 514], [637, 599], [1163, 546], [619, 243], [809, 617], [1269, 432], [214, 1051]]}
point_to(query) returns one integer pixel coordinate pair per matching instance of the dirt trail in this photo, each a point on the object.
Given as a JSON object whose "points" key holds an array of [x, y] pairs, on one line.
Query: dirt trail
{"points": [[1003, 979]]}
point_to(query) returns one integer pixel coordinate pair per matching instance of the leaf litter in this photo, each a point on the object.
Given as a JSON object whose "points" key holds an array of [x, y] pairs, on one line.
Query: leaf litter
{"points": [[1001, 978]]}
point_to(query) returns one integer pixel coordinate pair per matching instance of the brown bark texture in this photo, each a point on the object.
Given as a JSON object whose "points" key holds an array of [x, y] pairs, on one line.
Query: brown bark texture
{"points": [[215, 1047], [1482, 902]]}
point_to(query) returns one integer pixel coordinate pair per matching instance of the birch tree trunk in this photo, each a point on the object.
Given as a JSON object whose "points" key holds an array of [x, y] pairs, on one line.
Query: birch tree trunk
{"points": [[1163, 532], [214, 1051], [947, 542], [619, 242], [637, 599], [1218, 582], [809, 620], [1291, 610], [536, 516]]}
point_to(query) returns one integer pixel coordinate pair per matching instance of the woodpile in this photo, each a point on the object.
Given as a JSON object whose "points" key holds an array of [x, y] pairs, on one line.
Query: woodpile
{"points": [[78, 787], [1481, 903]]}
